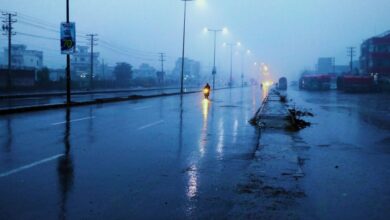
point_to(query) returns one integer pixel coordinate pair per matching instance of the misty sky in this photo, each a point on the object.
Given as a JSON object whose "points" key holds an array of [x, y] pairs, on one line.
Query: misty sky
{"points": [[288, 35]]}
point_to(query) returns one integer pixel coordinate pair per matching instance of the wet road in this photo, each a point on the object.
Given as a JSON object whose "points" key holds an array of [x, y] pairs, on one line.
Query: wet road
{"points": [[173, 158], [158, 158], [6, 103], [348, 152]]}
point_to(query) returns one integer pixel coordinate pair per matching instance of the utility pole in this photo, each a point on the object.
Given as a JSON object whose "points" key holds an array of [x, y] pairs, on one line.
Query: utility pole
{"points": [[162, 68], [242, 69], [103, 74], [68, 81], [183, 48], [7, 28], [92, 41], [351, 54], [231, 45]]}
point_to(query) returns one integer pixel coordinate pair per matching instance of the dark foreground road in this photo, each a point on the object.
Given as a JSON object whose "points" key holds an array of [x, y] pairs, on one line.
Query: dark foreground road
{"points": [[160, 158], [172, 158]]}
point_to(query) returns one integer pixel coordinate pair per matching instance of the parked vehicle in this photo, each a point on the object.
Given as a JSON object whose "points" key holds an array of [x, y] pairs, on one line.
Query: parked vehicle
{"points": [[353, 83], [315, 82], [282, 85]]}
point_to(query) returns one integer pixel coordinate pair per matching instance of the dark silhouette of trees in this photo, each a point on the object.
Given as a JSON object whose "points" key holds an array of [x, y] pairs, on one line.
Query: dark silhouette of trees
{"points": [[123, 73], [43, 76]]}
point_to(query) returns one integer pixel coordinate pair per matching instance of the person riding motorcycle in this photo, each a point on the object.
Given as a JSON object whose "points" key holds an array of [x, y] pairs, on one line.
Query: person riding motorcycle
{"points": [[206, 90]]}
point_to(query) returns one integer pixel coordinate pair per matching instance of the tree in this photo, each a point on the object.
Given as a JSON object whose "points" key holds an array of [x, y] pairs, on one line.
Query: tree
{"points": [[43, 75], [123, 73]]}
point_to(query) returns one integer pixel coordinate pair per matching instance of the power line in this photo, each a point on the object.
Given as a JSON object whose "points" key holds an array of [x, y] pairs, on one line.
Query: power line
{"points": [[38, 36]]}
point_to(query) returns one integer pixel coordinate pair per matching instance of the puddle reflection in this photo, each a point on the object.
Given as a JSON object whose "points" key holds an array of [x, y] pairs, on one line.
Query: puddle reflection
{"points": [[9, 136], [65, 169], [221, 138], [192, 182], [203, 136]]}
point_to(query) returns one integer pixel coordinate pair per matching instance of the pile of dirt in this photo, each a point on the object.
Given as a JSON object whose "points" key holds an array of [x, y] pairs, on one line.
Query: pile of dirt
{"points": [[296, 121]]}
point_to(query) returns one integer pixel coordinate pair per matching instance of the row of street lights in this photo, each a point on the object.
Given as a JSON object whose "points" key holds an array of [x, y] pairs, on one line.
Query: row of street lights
{"points": [[214, 71]]}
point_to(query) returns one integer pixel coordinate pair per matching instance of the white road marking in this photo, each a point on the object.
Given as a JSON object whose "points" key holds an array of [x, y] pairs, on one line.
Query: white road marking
{"points": [[80, 119], [142, 108], [151, 124], [17, 170]]}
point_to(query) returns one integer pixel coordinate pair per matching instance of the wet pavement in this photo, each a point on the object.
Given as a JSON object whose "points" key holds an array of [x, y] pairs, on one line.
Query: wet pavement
{"points": [[51, 98], [187, 158], [164, 157]]}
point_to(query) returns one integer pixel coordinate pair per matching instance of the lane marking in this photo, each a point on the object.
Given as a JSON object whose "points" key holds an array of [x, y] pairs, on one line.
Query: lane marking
{"points": [[151, 125], [17, 170], [75, 120], [142, 108]]}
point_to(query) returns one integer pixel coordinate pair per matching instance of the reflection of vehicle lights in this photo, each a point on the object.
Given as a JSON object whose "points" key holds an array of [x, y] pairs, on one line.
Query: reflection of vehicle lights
{"points": [[268, 83], [205, 105]]}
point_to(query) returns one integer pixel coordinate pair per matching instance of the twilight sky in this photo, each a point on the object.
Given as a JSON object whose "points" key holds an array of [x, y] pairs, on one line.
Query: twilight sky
{"points": [[288, 35]]}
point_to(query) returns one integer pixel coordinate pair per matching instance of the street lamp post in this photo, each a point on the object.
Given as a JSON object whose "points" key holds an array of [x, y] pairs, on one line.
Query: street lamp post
{"points": [[183, 49], [231, 45], [242, 66], [215, 31]]}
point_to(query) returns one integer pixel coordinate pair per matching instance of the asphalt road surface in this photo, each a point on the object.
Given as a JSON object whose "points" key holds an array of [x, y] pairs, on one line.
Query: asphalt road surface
{"points": [[167, 157], [6, 103], [187, 158]]}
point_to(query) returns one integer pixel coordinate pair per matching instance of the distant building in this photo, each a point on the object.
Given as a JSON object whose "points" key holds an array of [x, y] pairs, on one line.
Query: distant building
{"points": [[21, 58], [191, 70], [375, 55], [81, 63], [325, 65]]}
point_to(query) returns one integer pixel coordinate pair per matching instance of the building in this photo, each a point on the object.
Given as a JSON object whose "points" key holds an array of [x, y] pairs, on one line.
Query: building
{"points": [[21, 58], [191, 70], [81, 63], [375, 55], [325, 65]]}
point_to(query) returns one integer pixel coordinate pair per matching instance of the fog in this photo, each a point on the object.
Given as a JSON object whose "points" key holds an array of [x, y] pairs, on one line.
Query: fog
{"points": [[287, 35]]}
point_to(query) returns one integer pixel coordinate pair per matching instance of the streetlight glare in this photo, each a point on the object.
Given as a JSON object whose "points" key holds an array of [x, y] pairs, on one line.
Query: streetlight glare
{"points": [[200, 3], [205, 30], [239, 43], [225, 30], [248, 51]]}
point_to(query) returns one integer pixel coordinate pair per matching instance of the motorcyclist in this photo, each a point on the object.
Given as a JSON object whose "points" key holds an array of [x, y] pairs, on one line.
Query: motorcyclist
{"points": [[206, 90], [207, 86]]}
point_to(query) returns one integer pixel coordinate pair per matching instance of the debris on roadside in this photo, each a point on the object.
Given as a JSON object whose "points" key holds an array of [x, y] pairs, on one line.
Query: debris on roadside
{"points": [[279, 114]]}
